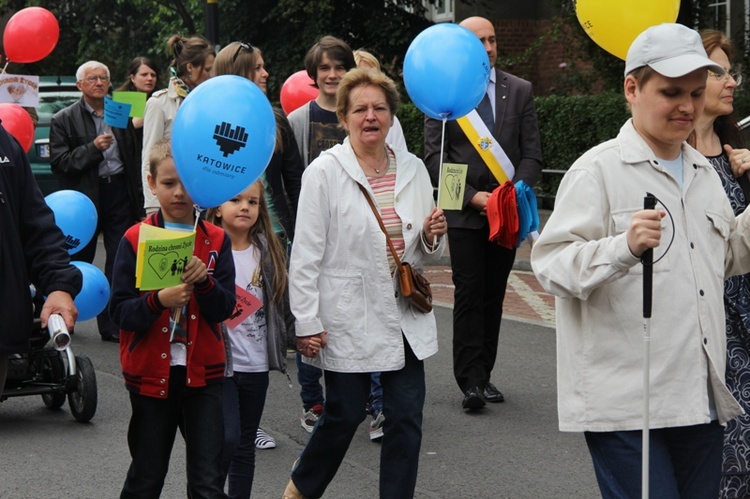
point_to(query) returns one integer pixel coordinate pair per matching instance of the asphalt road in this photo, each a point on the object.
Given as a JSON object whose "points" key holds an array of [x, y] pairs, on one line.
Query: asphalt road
{"points": [[508, 450]]}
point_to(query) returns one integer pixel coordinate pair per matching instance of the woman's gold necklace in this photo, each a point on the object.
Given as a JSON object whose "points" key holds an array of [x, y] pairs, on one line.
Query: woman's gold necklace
{"points": [[377, 170]]}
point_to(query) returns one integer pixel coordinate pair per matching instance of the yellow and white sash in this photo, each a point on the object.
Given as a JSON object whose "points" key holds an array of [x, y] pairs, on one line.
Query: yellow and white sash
{"points": [[488, 148], [491, 153]]}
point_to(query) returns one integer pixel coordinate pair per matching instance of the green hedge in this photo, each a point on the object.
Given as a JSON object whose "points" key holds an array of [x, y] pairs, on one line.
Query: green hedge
{"points": [[568, 126], [412, 122]]}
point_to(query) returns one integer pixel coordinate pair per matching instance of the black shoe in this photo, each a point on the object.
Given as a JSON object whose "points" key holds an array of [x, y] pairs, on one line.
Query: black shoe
{"points": [[473, 399], [492, 394], [114, 338]]}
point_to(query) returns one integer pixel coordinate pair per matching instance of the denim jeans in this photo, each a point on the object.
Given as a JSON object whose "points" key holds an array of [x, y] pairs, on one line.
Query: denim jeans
{"points": [[244, 399], [151, 436], [308, 377], [375, 404], [684, 462], [403, 402]]}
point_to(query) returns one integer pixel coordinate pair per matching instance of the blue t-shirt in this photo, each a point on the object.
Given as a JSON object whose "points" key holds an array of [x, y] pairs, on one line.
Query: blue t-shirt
{"points": [[674, 167]]}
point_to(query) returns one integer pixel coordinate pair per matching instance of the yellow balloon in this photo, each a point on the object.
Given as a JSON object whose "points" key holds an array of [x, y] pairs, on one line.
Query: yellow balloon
{"points": [[613, 25]]}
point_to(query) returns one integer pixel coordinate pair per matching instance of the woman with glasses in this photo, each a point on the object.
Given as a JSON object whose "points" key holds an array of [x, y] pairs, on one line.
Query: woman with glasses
{"points": [[718, 138], [245, 389], [191, 65]]}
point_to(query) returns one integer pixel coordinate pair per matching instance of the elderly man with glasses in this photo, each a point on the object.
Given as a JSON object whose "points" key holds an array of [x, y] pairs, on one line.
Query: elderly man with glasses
{"points": [[91, 157]]}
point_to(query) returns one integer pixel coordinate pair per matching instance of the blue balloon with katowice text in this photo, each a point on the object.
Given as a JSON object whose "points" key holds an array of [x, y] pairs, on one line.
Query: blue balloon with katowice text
{"points": [[223, 137], [446, 71], [75, 215]]}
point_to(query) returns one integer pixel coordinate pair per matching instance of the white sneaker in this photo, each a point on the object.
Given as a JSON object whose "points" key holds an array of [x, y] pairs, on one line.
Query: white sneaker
{"points": [[264, 441], [376, 427], [310, 417]]}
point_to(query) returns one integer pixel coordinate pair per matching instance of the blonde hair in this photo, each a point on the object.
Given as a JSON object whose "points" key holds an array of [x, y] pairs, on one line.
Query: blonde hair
{"points": [[233, 60], [363, 77], [160, 151], [361, 56], [264, 226]]}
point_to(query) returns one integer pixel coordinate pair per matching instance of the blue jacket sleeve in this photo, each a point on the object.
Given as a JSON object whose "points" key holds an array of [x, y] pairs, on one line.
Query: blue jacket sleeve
{"points": [[128, 309]]}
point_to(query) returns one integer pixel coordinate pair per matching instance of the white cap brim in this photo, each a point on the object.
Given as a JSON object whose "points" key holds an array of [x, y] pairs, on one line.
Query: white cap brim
{"points": [[682, 65]]}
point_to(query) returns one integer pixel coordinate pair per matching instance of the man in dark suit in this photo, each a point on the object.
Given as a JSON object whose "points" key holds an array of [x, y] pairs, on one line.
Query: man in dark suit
{"points": [[480, 267], [91, 157]]}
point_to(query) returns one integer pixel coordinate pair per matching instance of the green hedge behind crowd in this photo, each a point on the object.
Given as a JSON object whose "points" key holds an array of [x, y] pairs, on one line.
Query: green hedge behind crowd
{"points": [[568, 126]]}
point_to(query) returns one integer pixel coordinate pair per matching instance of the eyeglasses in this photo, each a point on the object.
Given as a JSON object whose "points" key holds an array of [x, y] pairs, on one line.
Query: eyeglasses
{"points": [[92, 79], [242, 45], [737, 77]]}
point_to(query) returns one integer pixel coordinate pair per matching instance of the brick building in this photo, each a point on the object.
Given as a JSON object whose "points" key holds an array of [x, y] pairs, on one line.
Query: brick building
{"points": [[531, 37]]}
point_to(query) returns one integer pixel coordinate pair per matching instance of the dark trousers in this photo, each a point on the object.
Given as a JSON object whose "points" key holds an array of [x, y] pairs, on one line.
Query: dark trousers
{"points": [[347, 393], [115, 216], [151, 434], [480, 275], [244, 399], [684, 462]]}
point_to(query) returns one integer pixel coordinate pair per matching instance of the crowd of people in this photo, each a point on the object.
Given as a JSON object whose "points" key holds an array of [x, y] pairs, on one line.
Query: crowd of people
{"points": [[318, 240]]}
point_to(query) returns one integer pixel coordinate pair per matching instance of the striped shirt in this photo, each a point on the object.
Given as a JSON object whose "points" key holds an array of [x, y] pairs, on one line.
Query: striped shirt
{"points": [[383, 187]]}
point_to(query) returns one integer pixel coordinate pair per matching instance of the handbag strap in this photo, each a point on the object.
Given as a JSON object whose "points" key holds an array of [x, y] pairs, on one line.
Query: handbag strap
{"points": [[382, 226]]}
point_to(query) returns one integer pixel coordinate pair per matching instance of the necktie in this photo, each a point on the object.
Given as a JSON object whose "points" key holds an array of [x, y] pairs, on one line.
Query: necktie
{"points": [[485, 112]]}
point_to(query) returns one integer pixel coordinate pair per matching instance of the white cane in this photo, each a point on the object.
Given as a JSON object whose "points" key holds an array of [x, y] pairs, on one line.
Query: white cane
{"points": [[647, 259]]}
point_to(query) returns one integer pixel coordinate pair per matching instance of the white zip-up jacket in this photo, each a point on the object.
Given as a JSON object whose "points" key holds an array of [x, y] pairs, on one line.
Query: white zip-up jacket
{"points": [[583, 258], [339, 278]]}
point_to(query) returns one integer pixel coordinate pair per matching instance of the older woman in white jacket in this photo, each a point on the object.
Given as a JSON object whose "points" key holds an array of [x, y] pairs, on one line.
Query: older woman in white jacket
{"points": [[351, 317]]}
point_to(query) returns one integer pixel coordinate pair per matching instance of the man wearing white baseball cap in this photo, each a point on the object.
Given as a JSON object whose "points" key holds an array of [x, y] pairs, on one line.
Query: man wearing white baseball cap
{"points": [[589, 256]]}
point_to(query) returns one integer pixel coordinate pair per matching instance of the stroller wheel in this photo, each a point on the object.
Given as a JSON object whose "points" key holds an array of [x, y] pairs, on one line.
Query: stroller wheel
{"points": [[53, 371], [83, 399]]}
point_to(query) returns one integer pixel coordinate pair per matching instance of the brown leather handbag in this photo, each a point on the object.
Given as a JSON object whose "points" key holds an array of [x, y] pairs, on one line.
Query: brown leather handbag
{"points": [[414, 286]]}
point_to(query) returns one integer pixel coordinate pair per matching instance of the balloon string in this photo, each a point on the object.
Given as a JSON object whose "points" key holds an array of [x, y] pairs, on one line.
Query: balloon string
{"points": [[4, 67], [440, 176], [198, 211]]}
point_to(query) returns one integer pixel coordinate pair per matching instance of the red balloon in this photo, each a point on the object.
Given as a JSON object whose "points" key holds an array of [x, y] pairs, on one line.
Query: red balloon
{"points": [[17, 122], [30, 35], [297, 91]]}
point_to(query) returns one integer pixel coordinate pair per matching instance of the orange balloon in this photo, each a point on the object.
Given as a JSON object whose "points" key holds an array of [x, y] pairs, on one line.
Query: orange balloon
{"points": [[17, 122], [297, 91], [614, 25]]}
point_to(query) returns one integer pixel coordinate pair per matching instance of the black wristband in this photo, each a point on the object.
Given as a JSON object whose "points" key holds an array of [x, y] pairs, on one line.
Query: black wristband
{"points": [[158, 301]]}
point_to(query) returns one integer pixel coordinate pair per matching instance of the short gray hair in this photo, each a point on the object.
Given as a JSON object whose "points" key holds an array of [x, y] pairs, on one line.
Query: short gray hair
{"points": [[88, 65]]}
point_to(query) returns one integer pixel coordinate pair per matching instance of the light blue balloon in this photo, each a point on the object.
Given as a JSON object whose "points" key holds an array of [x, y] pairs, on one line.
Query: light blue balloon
{"points": [[94, 294], [75, 214], [446, 71], [222, 138]]}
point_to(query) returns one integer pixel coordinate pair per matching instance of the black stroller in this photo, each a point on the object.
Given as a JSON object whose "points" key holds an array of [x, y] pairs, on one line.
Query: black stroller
{"points": [[50, 369]]}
